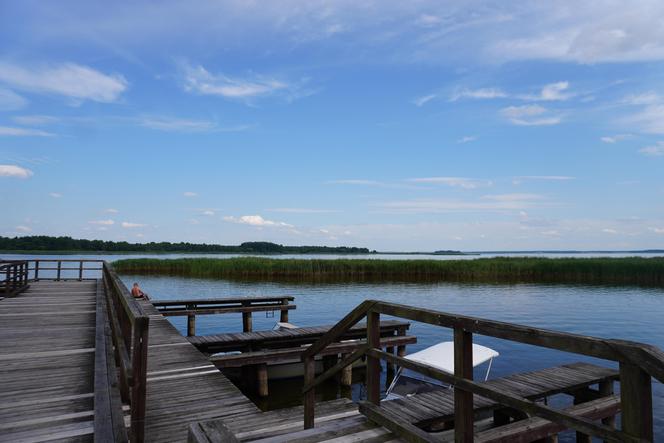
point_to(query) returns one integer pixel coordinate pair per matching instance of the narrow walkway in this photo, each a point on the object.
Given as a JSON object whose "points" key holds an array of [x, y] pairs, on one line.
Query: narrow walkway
{"points": [[183, 387], [47, 357]]}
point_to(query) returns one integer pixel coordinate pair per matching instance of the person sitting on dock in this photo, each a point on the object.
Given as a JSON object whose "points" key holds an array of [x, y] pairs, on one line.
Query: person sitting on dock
{"points": [[137, 293]]}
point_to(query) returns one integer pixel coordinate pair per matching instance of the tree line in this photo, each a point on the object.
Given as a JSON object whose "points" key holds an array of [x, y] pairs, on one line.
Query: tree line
{"points": [[49, 243]]}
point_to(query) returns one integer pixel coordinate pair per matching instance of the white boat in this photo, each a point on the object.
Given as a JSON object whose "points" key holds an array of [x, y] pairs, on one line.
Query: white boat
{"points": [[439, 356]]}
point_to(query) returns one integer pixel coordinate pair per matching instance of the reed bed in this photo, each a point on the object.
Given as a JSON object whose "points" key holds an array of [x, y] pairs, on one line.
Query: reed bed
{"points": [[613, 271]]}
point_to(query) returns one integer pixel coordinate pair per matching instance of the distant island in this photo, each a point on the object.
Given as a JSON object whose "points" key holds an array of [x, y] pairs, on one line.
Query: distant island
{"points": [[45, 243]]}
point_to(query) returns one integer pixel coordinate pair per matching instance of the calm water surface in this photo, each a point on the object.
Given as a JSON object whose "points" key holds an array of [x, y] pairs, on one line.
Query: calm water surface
{"points": [[612, 312]]}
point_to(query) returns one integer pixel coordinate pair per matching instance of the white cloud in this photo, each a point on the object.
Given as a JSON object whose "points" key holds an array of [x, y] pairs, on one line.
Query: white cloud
{"points": [[303, 210], [551, 92], [421, 101], [102, 222], [513, 197], [170, 124], [200, 81], [529, 115], [460, 182], [483, 93], [650, 119], [111, 211], [546, 177], [609, 231], [66, 79], [22, 228], [189, 194], [34, 119], [55, 194], [23, 132], [11, 101], [361, 182], [467, 139], [645, 98], [14, 171], [256, 220], [615, 138], [208, 213], [657, 230], [488, 203], [656, 150], [130, 225]]}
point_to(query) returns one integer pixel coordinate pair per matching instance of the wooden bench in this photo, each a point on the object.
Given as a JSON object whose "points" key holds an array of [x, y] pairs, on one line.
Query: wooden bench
{"points": [[432, 409]]}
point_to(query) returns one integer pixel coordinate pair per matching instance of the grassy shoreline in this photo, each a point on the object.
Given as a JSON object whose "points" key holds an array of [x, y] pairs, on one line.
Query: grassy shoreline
{"points": [[614, 271]]}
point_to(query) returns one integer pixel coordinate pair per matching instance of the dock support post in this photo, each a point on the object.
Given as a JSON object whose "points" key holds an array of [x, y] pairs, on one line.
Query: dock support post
{"points": [[261, 379], [191, 325], [606, 389], [373, 363], [246, 319], [580, 436], [463, 400], [346, 378], [283, 317], [309, 401], [636, 402]]}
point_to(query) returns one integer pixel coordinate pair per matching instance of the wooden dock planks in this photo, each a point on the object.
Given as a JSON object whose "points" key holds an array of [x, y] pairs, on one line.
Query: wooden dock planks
{"points": [[47, 356]]}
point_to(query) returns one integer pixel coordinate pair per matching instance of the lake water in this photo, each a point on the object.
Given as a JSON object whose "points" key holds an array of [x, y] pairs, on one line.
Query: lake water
{"points": [[614, 312]]}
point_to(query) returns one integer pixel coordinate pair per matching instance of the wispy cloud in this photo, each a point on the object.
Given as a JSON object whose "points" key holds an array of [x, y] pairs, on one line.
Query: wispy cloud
{"points": [[23, 132], [615, 138], [421, 101], [35, 119], [467, 139], [482, 93], [208, 212], [102, 222], [545, 177], [529, 115], [656, 150], [111, 211], [23, 228], [15, 171], [361, 182], [11, 101], [67, 79], [650, 119], [171, 124], [55, 194], [200, 81], [256, 220], [551, 92], [490, 203], [131, 225], [303, 210], [189, 194], [458, 182]]}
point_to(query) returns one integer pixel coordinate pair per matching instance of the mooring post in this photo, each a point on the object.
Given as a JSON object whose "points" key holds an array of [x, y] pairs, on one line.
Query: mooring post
{"points": [[283, 317], [636, 402], [463, 400], [373, 363], [246, 318], [261, 379], [309, 401], [346, 378]]}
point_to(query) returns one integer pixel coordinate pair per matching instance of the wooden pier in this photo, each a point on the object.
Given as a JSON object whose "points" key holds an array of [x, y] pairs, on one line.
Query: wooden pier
{"points": [[81, 360]]}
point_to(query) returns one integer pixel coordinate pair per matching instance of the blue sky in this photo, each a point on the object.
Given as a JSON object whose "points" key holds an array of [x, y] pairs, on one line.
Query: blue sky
{"points": [[423, 125]]}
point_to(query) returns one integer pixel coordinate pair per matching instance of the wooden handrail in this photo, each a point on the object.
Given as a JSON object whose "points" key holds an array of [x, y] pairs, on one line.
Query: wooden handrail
{"points": [[129, 330], [638, 362], [15, 273]]}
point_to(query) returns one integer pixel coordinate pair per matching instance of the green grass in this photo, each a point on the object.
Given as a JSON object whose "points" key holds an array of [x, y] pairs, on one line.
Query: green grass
{"points": [[614, 271]]}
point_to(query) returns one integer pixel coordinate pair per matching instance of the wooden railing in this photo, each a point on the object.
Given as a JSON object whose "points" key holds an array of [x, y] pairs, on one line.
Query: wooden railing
{"points": [[245, 305], [638, 363], [14, 277], [65, 269], [129, 332]]}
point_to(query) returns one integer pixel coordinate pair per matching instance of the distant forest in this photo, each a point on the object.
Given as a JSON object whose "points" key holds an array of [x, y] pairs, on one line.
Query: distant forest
{"points": [[47, 243]]}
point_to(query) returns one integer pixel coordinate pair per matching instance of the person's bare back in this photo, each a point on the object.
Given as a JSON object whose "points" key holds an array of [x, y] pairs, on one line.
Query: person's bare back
{"points": [[137, 293]]}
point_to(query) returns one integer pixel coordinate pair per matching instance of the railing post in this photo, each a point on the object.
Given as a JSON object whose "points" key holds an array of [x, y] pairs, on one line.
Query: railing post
{"points": [[80, 270], [59, 270], [139, 365], [36, 270], [309, 401], [283, 317], [191, 325], [636, 402], [463, 400], [373, 363], [246, 319]]}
